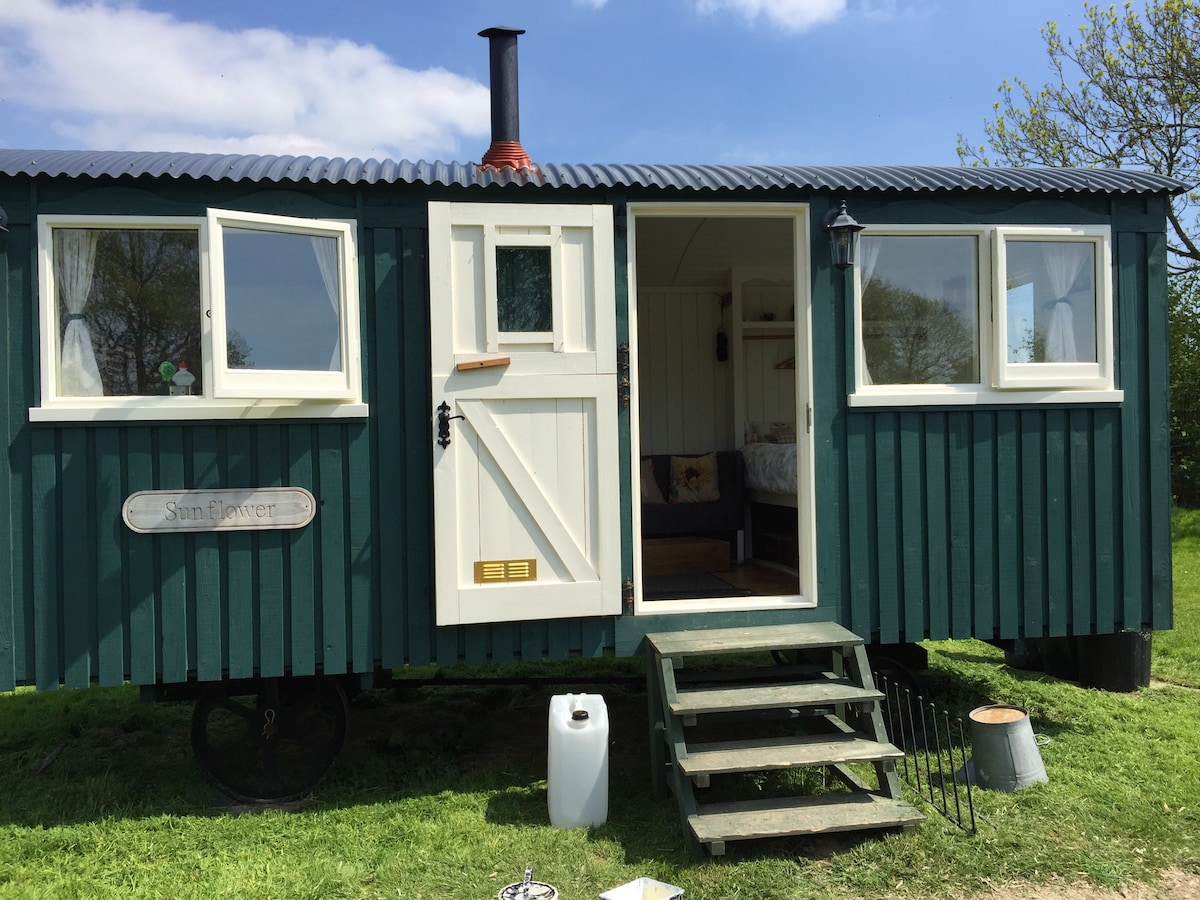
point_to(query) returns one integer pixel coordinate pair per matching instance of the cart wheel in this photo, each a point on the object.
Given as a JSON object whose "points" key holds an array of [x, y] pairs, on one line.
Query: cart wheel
{"points": [[274, 745]]}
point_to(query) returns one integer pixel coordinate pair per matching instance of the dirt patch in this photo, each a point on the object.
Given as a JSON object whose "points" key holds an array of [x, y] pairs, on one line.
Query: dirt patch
{"points": [[1174, 885], [1157, 685]]}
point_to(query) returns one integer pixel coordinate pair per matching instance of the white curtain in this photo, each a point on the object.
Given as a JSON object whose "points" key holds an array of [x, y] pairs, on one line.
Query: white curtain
{"points": [[326, 251], [868, 256], [1063, 262], [78, 374]]}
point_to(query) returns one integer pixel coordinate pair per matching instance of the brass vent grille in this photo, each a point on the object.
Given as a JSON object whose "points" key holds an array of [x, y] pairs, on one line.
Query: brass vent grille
{"points": [[491, 571]]}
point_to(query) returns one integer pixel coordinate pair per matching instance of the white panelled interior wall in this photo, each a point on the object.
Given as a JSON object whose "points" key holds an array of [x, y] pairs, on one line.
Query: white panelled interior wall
{"points": [[685, 393]]}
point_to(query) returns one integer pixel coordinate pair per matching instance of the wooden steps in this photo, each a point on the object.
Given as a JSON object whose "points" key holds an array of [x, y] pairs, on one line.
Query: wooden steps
{"points": [[747, 820], [704, 642], [727, 698], [764, 754], [820, 712]]}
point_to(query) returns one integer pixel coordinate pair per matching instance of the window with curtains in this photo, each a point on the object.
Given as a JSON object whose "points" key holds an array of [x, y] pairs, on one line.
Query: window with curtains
{"points": [[211, 312], [1053, 301], [920, 309], [962, 314]]}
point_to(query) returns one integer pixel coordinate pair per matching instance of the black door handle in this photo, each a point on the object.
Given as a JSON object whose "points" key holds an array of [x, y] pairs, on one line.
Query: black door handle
{"points": [[444, 418]]}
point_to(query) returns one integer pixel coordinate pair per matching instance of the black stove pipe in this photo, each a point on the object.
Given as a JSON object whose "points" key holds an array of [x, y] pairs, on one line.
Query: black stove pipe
{"points": [[505, 149]]}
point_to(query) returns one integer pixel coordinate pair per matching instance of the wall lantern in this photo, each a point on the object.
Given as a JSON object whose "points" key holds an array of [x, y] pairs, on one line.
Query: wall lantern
{"points": [[843, 236]]}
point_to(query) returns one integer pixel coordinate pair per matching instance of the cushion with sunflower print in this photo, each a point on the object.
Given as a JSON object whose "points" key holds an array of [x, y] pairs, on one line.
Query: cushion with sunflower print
{"points": [[694, 479]]}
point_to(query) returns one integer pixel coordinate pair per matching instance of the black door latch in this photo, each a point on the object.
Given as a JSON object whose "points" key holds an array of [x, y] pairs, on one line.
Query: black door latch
{"points": [[444, 418]]}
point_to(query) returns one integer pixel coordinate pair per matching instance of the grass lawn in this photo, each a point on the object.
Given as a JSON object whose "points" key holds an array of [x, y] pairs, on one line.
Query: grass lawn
{"points": [[441, 793], [1176, 653]]}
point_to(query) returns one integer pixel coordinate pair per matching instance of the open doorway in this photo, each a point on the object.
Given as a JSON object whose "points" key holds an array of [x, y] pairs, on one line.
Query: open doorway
{"points": [[720, 310]]}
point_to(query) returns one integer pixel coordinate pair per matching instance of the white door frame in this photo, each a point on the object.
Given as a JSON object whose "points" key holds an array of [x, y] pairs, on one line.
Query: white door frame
{"points": [[798, 213]]}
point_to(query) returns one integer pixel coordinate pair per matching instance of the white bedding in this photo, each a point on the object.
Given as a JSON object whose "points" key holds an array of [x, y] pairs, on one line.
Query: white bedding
{"points": [[770, 467]]}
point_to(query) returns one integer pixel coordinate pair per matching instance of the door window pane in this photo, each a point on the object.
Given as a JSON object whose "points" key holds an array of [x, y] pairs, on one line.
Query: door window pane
{"points": [[523, 297], [920, 309], [281, 301]]}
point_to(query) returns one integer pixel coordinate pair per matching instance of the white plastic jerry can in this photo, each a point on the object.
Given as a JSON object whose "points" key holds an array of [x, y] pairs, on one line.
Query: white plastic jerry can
{"points": [[577, 760]]}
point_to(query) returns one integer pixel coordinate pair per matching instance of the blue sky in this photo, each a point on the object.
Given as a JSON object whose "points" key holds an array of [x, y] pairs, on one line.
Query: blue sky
{"points": [[828, 82]]}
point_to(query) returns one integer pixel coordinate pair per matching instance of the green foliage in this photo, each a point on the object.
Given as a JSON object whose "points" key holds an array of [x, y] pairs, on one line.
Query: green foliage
{"points": [[1124, 93], [1184, 328], [1177, 652]]}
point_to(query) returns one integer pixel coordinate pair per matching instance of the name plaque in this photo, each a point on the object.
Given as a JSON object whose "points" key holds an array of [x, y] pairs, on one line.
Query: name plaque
{"points": [[236, 509]]}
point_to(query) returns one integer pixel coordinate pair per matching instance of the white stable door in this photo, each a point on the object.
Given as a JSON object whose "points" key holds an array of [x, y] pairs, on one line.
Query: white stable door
{"points": [[524, 412]]}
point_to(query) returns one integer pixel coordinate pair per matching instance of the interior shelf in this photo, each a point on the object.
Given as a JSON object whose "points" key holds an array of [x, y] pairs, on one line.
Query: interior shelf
{"points": [[787, 325]]}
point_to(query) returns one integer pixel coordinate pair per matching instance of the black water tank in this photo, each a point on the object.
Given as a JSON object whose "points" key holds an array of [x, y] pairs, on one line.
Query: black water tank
{"points": [[1114, 662]]}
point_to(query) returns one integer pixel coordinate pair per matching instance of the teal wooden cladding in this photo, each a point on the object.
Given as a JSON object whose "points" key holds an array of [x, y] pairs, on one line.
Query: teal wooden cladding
{"points": [[85, 600], [196, 605], [991, 522], [981, 523], [1004, 522]]}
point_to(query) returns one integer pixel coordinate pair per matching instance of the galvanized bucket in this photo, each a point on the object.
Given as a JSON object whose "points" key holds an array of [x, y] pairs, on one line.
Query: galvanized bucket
{"points": [[1005, 755]]}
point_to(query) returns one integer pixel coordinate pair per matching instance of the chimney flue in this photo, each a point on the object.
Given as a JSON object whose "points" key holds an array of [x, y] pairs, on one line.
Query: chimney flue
{"points": [[505, 149]]}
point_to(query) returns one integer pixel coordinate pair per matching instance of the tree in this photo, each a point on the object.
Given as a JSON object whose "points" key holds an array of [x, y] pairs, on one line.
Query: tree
{"points": [[145, 307], [1183, 317], [1125, 93], [913, 339]]}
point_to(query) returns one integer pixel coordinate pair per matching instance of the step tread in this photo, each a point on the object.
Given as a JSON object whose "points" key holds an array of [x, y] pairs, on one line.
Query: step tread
{"points": [[705, 641], [793, 751], [725, 698], [746, 820]]}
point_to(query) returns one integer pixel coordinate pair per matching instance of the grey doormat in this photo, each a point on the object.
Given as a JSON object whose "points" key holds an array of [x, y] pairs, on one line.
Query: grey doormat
{"points": [[694, 586]]}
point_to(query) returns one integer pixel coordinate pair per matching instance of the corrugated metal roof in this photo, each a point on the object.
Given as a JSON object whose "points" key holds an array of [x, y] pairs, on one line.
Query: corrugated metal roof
{"points": [[218, 167]]}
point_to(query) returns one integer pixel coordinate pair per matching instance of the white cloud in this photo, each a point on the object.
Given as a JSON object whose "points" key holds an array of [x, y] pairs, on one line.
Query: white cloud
{"points": [[792, 15], [117, 77]]}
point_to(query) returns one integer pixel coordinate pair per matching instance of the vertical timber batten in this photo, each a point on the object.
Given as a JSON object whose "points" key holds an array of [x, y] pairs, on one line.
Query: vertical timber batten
{"points": [[1157, 304]]}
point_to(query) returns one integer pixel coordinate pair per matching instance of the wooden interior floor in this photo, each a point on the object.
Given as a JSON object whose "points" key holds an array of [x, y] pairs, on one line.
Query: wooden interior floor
{"points": [[763, 580]]}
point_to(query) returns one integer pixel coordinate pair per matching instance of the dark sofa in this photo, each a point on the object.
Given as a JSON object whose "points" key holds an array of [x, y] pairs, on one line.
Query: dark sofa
{"points": [[719, 518]]}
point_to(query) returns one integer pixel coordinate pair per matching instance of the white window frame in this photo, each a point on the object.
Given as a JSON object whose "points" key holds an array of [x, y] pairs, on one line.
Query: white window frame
{"points": [[927, 393], [284, 383], [1001, 382], [1097, 374], [498, 237], [225, 393]]}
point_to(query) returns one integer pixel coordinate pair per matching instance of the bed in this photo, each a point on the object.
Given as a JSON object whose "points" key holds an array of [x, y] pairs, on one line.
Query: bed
{"points": [[771, 472]]}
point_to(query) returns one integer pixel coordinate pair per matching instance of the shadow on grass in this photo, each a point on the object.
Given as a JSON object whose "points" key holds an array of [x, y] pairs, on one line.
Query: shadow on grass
{"points": [[88, 756], [70, 757]]}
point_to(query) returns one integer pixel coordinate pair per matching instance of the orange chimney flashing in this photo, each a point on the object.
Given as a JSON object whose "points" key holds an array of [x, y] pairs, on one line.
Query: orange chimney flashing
{"points": [[506, 155]]}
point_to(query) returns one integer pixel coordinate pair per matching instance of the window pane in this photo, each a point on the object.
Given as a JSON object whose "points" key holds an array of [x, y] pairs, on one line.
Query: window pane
{"points": [[523, 289], [920, 309], [1051, 296], [281, 301], [129, 300]]}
